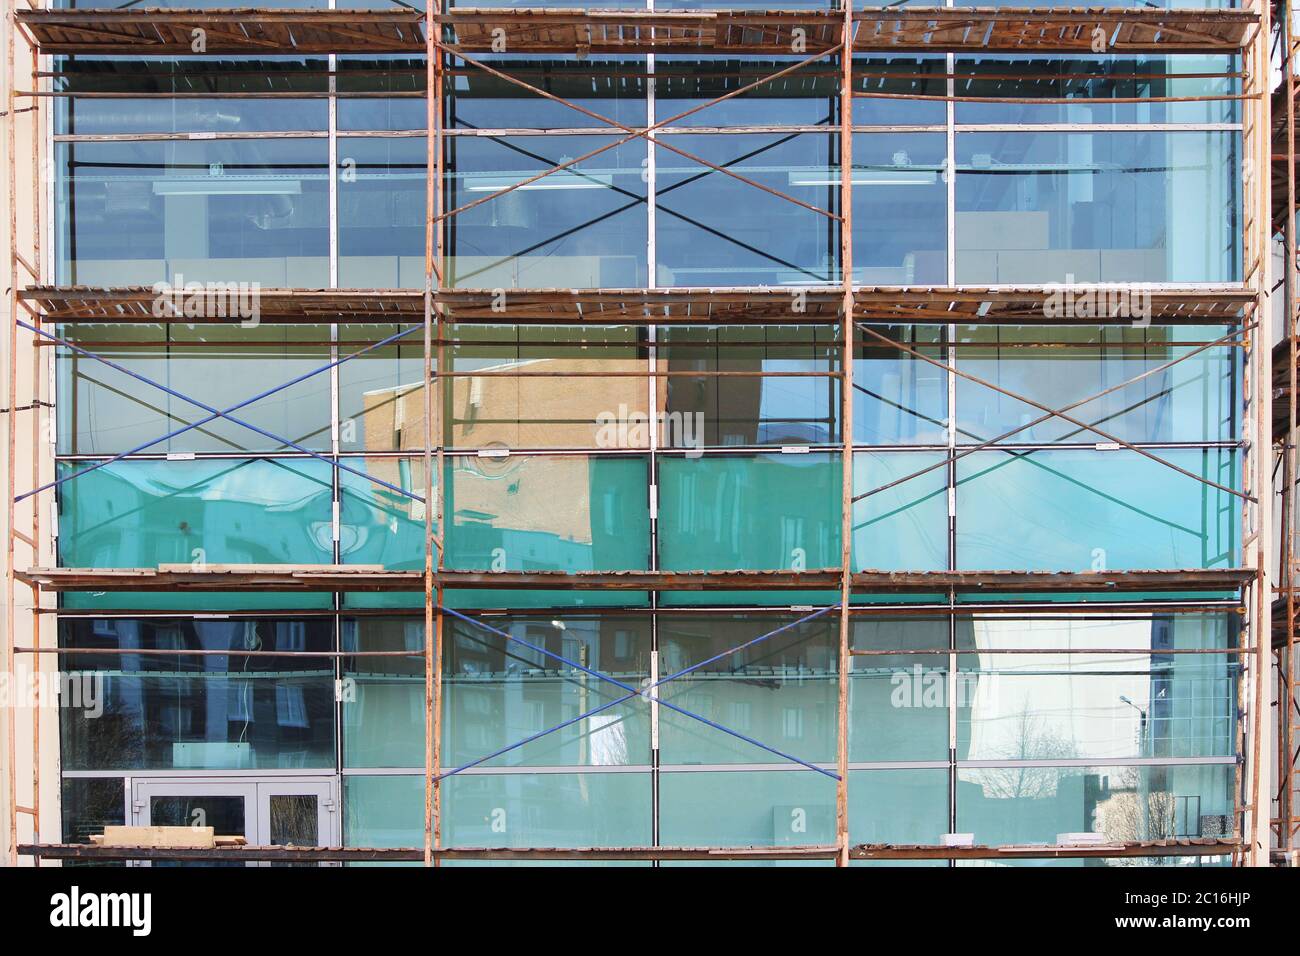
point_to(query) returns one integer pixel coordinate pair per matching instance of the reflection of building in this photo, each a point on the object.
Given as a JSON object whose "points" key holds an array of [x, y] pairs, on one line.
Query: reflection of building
{"points": [[521, 513]]}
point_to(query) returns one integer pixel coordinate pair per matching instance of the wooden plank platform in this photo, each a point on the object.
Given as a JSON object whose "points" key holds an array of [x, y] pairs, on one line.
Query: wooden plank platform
{"points": [[342, 578], [783, 305], [338, 854], [146, 31], [1028, 29], [169, 32], [1187, 846], [1182, 846]]}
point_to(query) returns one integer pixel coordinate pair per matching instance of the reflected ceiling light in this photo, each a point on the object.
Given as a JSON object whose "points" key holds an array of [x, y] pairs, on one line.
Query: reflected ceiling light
{"points": [[866, 177], [559, 180], [228, 186]]}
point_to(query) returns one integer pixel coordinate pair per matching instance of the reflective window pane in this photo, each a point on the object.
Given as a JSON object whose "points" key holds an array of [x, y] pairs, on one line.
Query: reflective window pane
{"points": [[1036, 804], [104, 410], [582, 227], [181, 211], [1095, 706], [208, 711], [1097, 207], [781, 690], [1162, 384], [1079, 510]]}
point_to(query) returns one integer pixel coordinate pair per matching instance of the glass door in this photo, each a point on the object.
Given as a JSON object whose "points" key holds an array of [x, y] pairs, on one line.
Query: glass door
{"points": [[276, 812], [297, 813], [227, 807]]}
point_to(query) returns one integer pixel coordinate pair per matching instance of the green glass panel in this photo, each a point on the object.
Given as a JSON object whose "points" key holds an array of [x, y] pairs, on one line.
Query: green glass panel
{"points": [[1080, 510], [545, 810], [1092, 597], [903, 527], [383, 811], [133, 514], [548, 513], [781, 690], [140, 514], [1096, 706], [898, 806], [898, 703], [477, 598], [383, 711], [755, 512], [747, 808], [497, 810], [1035, 804], [499, 692], [377, 524], [197, 601]]}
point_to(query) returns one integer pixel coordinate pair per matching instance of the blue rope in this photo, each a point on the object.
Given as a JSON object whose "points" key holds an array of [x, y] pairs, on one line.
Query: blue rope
{"points": [[218, 413], [634, 692]]}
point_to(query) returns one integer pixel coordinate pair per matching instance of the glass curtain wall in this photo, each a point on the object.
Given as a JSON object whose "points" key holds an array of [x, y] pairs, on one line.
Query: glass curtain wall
{"points": [[557, 436]]}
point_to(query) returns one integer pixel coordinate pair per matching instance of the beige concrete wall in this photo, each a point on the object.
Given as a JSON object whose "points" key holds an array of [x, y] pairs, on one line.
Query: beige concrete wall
{"points": [[30, 430]]}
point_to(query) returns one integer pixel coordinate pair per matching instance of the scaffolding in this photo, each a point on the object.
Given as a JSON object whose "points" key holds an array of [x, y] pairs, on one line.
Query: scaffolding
{"points": [[447, 36], [1286, 433]]}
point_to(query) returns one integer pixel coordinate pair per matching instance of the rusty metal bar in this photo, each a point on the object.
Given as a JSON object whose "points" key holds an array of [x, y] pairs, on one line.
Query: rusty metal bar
{"points": [[1163, 848], [432, 140], [637, 134], [303, 578], [11, 437], [846, 434], [250, 854], [438, 228], [628, 129]]}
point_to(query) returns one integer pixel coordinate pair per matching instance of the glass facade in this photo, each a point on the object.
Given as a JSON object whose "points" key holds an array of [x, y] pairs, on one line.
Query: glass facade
{"points": [[1085, 192], [708, 447]]}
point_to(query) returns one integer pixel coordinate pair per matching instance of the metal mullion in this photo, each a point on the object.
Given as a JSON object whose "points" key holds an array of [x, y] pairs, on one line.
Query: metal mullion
{"points": [[652, 391], [185, 137], [1097, 127]]}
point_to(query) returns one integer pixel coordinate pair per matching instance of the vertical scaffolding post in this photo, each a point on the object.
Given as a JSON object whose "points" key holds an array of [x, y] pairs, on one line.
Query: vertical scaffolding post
{"points": [[11, 432], [1257, 521], [846, 434], [1287, 564], [430, 740], [437, 105], [36, 276], [1288, 444]]}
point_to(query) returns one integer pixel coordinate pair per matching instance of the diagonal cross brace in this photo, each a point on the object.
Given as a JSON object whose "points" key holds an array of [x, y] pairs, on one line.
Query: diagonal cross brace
{"points": [[218, 413], [634, 692], [1053, 413], [628, 129], [642, 133]]}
